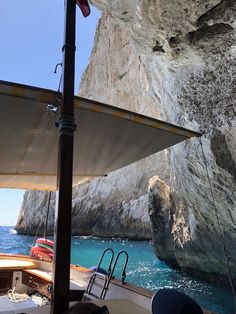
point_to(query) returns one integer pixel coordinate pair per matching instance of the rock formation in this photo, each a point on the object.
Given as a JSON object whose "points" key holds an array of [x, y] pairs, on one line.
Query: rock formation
{"points": [[173, 60], [90, 215], [36, 206]]}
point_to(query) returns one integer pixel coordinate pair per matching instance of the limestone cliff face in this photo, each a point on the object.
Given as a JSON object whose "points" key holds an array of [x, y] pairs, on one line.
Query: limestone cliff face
{"points": [[90, 215], [34, 209], [173, 60]]}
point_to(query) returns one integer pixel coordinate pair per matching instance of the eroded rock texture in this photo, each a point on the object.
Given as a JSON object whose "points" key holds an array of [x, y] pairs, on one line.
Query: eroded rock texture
{"points": [[35, 208], [90, 215], [173, 60]]}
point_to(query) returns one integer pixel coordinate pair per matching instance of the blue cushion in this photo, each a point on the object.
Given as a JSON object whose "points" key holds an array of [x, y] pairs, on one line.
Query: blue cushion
{"points": [[99, 270], [171, 301]]}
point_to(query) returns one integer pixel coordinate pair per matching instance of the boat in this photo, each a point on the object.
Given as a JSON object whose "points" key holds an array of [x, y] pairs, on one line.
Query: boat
{"points": [[34, 156]]}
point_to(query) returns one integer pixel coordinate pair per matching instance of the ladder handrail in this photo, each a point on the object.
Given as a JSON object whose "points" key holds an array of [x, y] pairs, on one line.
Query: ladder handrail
{"points": [[101, 259], [106, 278], [123, 275]]}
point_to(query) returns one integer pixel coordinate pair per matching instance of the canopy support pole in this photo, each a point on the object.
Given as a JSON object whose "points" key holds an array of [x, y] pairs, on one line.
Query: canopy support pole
{"points": [[62, 231]]}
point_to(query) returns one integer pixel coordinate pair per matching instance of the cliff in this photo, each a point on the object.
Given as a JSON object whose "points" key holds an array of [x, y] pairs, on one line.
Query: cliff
{"points": [[90, 214], [173, 60]]}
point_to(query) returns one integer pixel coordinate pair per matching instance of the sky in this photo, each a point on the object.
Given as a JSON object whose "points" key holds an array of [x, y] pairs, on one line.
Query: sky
{"points": [[32, 35]]}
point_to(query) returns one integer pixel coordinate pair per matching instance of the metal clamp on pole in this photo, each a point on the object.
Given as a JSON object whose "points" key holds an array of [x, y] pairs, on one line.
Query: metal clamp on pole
{"points": [[68, 46], [66, 124]]}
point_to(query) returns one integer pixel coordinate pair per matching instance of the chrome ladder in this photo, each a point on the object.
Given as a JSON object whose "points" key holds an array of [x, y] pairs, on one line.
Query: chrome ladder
{"points": [[99, 283]]}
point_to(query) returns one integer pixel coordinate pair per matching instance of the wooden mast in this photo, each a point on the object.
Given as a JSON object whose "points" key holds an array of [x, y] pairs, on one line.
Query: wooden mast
{"points": [[62, 231]]}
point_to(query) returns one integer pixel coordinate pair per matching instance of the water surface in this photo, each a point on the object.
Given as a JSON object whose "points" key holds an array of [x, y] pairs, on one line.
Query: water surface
{"points": [[143, 269]]}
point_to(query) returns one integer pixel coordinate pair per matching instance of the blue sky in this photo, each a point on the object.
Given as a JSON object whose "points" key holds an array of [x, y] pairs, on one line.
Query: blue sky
{"points": [[31, 35]]}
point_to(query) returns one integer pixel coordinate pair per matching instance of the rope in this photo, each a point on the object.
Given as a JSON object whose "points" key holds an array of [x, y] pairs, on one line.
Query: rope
{"points": [[39, 299], [55, 71], [46, 223], [219, 226], [36, 234], [39, 225], [17, 297]]}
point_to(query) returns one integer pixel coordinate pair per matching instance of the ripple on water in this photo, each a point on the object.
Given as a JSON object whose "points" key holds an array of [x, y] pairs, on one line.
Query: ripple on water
{"points": [[143, 268]]}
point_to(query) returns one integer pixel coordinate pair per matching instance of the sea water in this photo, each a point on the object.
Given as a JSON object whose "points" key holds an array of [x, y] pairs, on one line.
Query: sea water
{"points": [[143, 268]]}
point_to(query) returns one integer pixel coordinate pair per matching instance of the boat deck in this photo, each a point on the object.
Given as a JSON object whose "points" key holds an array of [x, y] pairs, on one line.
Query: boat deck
{"points": [[25, 271], [28, 306], [15, 264], [114, 306]]}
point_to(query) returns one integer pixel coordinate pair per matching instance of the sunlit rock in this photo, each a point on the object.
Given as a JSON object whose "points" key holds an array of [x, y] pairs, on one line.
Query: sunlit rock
{"points": [[176, 61]]}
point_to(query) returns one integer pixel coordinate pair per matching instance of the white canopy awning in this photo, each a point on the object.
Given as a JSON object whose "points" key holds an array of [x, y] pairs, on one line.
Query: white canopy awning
{"points": [[106, 138]]}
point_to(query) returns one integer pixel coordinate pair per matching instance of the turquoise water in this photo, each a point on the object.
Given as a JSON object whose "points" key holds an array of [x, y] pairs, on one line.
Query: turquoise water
{"points": [[143, 268]]}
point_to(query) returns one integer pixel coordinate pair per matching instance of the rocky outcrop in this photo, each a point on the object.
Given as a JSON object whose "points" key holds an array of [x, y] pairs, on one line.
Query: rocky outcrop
{"points": [[173, 60], [90, 215], [196, 246], [35, 208], [128, 219]]}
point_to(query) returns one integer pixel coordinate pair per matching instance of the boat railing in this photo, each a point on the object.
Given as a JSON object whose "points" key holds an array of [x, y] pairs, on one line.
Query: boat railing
{"points": [[101, 260], [123, 274], [99, 282]]}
